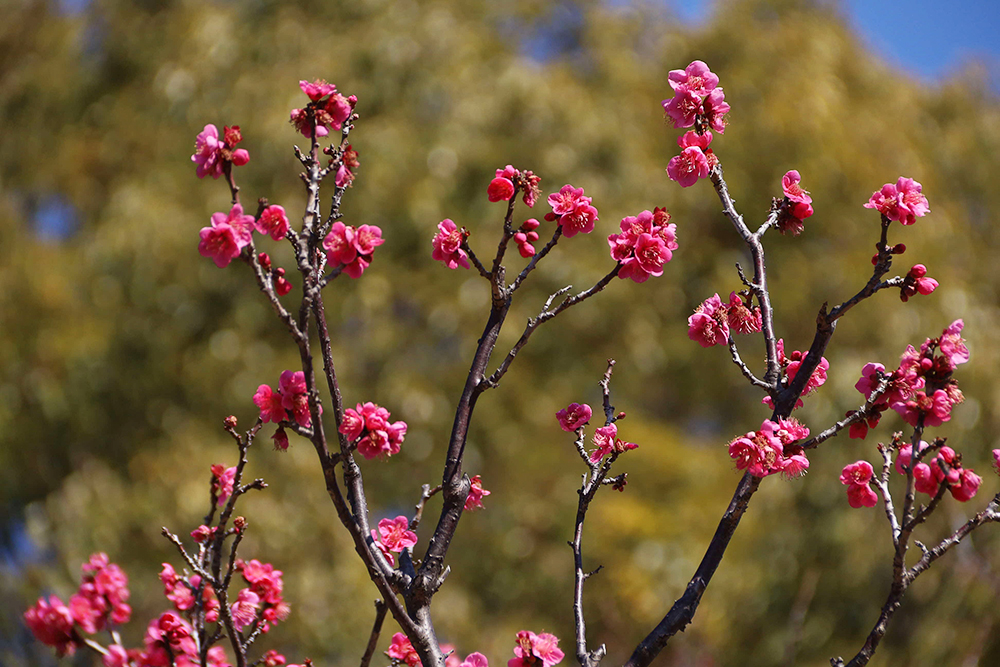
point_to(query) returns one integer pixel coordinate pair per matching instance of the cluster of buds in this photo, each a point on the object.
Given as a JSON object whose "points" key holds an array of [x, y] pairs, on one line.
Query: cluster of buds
{"points": [[509, 181], [646, 243], [916, 282], [281, 284], [525, 236], [713, 321], [945, 467]]}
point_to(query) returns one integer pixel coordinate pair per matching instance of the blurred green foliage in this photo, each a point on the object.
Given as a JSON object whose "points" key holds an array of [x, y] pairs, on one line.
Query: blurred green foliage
{"points": [[121, 349]]}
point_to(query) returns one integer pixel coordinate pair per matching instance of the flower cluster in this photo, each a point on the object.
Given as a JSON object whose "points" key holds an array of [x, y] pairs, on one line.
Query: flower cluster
{"points": [[917, 282], [181, 591], [476, 494], [572, 210], [607, 442], [223, 479], [369, 425], [646, 243], [574, 416], [265, 590], [857, 477], [273, 222], [211, 155], [393, 535], [772, 449], [291, 397], [903, 201], [350, 248], [100, 599], [227, 236], [348, 163], [401, 650], [448, 245], [327, 109], [509, 180], [695, 161], [790, 367], [698, 101], [921, 390], [531, 650], [713, 321], [795, 207]]}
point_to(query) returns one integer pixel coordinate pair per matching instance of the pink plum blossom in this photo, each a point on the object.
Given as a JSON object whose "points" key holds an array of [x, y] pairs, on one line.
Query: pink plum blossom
{"points": [[696, 77], [447, 245], [574, 416], [273, 222], [857, 477], [604, 439], [952, 345], [52, 624], [912, 204], [793, 191], [402, 650], [222, 482], [715, 110], [709, 325], [683, 108], [532, 649], [688, 167], [474, 501], [395, 533], [741, 319], [219, 243], [500, 189], [270, 404], [244, 610]]}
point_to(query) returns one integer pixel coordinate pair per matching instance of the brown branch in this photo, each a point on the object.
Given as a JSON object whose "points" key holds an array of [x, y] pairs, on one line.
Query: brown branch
{"points": [[380, 610]]}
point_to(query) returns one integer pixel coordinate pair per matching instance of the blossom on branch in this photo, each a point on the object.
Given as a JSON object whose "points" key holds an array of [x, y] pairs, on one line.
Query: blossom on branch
{"points": [[541, 650], [901, 201], [448, 245], [572, 210], [574, 416], [857, 477], [474, 501]]}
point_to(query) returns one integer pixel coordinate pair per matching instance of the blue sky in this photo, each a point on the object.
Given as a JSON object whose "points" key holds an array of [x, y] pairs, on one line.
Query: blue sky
{"points": [[930, 39]]}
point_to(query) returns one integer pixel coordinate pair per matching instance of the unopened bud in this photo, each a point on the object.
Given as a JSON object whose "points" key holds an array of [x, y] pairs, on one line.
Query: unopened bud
{"points": [[265, 261], [621, 415], [898, 249], [240, 523], [230, 422]]}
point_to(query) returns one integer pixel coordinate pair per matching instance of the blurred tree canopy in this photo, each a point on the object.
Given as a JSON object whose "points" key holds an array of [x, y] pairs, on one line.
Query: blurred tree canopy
{"points": [[121, 349]]}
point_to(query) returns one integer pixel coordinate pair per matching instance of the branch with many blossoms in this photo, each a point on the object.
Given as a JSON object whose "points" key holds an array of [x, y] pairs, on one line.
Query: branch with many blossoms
{"points": [[206, 617]]}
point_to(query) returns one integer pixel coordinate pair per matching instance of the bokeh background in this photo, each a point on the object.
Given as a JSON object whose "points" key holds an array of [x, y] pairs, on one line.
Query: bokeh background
{"points": [[122, 349]]}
